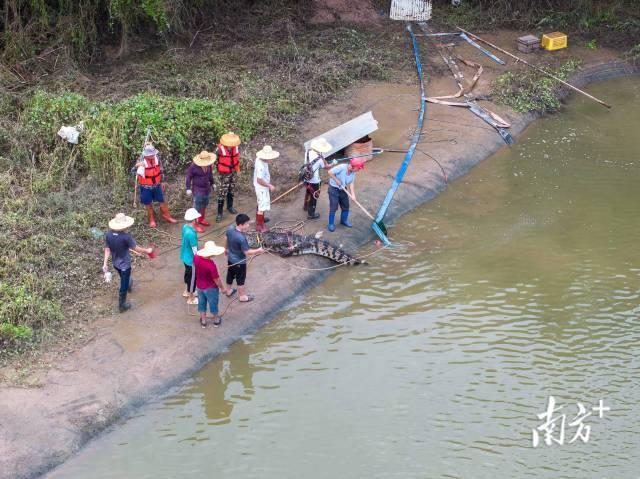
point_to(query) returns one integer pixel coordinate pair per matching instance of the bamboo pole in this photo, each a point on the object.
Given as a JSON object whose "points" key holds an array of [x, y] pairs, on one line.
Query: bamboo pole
{"points": [[288, 191], [358, 203], [536, 68]]}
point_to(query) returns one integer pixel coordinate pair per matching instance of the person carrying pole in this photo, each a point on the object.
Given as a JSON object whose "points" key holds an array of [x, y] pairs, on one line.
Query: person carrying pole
{"points": [[199, 178], [262, 184], [341, 177], [228, 165], [314, 160], [118, 243], [150, 177]]}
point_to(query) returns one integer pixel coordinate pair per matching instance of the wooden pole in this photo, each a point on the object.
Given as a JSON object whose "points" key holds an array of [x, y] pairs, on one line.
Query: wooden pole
{"points": [[288, 191], [358, 203], [536, 68]]}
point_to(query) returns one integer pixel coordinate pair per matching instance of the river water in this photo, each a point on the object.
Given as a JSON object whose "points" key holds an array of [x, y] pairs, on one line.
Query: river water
{"points": [[522, 282]]}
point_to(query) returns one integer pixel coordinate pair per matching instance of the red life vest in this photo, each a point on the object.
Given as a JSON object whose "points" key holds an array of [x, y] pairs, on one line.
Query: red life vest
{"points": [[152, 172], [228, 159]]}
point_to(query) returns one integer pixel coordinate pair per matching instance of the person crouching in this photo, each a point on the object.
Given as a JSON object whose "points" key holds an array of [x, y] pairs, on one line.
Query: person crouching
{"points": [[208, 282], [262, 184]]}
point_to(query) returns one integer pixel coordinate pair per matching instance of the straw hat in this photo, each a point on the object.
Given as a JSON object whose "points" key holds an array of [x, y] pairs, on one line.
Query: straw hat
{"points": [[121, 222], [230, 139], [358, 163], [267, 153], [149, 150], [321, 145], [204, 158], [191, 214], [210, 249]]}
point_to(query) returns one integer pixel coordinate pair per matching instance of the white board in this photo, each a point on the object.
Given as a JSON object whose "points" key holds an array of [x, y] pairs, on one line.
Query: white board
{"points": [[347, 133], [411, 10]]}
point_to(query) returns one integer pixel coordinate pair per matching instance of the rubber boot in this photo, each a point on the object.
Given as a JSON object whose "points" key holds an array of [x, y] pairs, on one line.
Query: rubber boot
{"points": [[344, 219], [311, 211], [130, 284], [220, 211], [230, 207], [260, 227], [152, 217], [164, 211], [202, 220], [332, 219], [122, 302], [198, 228]]}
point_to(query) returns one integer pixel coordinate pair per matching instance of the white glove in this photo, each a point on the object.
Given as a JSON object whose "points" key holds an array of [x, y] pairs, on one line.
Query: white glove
{"points": [[334, 162], [189, 192]]}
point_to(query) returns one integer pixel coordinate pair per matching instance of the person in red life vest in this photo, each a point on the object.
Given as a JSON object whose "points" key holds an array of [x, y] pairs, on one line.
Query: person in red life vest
{"points": [[228, 166], [199, 184], [150, 176]]}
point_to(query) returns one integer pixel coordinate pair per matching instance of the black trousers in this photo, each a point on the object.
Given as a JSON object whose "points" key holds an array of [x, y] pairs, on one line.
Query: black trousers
{"points": [[190, 278], [314, 192]]}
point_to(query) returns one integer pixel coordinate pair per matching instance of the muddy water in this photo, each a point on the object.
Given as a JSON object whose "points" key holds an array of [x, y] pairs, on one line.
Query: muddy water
{"points": [[434, 361]]}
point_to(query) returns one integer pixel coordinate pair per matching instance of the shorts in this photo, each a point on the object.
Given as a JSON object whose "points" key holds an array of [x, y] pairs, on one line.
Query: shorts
{"points": [[150, 194], [209, 295], [237, 272], [200, 202], [264, 199]]}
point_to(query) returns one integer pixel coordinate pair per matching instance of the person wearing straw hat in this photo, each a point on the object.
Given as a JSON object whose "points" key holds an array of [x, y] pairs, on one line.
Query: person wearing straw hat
{"points": [[188, 248], [262, 184], [199, 183], [228, 165], [150, 177], [314, 160], [118, 243], [208, 282], [341, 177]]}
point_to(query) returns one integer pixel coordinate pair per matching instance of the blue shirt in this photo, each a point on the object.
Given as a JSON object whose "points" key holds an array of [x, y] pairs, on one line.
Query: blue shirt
{"points": [[342, 173], [237, 246], [189, 241], [119, 243]]}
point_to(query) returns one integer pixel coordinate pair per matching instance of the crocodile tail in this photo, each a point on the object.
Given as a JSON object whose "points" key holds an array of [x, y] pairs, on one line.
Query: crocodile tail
{"points": [[324, 248]]}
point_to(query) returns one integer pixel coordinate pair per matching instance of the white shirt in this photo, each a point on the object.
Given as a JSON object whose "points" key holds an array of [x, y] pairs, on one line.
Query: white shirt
{"points": [[316, 163], [261, 170]]}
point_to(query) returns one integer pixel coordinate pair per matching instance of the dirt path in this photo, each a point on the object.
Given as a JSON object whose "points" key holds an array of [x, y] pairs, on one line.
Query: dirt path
{"points": [[157, 344]]}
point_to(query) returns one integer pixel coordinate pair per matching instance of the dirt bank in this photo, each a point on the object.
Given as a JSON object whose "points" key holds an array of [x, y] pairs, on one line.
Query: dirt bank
{"points": [[138, 355]]}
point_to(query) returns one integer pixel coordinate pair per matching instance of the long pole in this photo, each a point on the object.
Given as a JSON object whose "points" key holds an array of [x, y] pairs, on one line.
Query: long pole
{"points": [[536, 68], [288, 191], [358, 203]]}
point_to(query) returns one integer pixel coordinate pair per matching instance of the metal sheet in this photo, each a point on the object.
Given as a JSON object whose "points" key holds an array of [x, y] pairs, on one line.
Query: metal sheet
{"points": [[347, 133], [411, 10]]}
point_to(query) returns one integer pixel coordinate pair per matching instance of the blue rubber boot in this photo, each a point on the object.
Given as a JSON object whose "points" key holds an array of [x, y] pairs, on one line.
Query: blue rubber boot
{"points": [[344, 219], [332, 220]]}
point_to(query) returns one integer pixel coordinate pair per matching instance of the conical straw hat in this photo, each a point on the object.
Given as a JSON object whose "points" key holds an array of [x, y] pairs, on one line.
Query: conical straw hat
{"points": [[230, 139]]}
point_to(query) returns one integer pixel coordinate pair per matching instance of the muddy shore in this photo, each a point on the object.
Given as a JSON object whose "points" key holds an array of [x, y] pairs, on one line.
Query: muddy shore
{"points": [[141, 354]]}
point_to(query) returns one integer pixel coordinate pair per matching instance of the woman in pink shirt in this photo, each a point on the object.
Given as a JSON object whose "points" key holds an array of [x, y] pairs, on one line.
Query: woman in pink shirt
{"points": [[208, 282]]}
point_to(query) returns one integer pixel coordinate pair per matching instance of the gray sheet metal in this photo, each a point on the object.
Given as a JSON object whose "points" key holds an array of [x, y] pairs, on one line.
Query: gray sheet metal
{"points": [[345, 134]]}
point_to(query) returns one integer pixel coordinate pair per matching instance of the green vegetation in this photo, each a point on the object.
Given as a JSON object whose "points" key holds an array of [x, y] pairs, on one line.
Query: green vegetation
{"points": [[527, 90]]}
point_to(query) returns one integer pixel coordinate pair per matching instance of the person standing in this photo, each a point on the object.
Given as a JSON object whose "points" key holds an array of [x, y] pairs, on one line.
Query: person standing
{"points": [[188, 248], [199, 178], [314, 161], [208, 282], [150, 177], [262, 184], [341, 177], [237, 250], [228, 165], [118, 242]]}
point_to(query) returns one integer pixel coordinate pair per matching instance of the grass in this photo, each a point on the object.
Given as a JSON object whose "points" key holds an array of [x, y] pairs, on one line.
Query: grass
{"points": [[53, 194]]}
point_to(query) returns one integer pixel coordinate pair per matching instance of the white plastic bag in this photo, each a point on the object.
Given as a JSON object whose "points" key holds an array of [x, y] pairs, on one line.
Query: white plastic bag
{"points": [[71, 133]]}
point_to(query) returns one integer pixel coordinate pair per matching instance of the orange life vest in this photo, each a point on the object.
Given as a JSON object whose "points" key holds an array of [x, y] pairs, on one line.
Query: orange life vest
{"points": [[228, 159], [152, 172]]}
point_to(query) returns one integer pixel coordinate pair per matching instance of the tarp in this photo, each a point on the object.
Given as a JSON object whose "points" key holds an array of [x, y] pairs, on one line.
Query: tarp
{"points": [[347, 133]]}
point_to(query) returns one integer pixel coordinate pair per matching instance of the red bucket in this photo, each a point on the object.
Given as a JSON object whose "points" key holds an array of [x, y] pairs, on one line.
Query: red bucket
{"points": [[153, 253]]}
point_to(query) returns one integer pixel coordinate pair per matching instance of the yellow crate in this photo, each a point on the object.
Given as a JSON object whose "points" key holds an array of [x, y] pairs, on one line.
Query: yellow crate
{"points": [[554, 41]]}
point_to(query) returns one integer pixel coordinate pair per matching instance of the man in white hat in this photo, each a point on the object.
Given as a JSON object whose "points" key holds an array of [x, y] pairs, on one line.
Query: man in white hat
{"points": [[314, 161], [150, 177], [188, 248], [208, 282], [262, 184], [199, 184], [118, 242]]}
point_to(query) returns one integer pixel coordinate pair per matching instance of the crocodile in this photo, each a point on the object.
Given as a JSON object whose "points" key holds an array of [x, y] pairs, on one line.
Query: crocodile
{"points": [[290, 244]]}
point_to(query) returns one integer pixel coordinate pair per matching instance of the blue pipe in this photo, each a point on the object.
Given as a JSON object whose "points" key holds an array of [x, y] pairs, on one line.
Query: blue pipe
{"points": [[407, 157]]}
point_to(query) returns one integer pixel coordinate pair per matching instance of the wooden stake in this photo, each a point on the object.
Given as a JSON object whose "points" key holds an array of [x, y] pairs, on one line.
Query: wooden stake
{"points": [[536, 68]]}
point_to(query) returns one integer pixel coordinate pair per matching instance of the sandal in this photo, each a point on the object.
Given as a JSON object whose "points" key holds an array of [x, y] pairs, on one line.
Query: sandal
{"points": [[249, 298], [217, 322], [203, 323], [233, 291]]}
